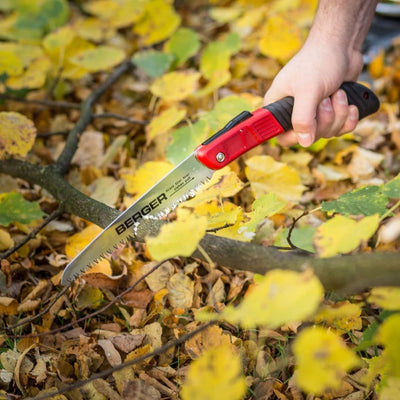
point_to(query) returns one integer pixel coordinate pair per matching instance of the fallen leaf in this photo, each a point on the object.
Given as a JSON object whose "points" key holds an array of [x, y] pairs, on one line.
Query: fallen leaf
{"points": [[267, 175], [17, 134], [180, 291], [341, 235], [140, 390], [387, 297], [278, 298], [173, 239], [216, 375], [159, 22], [322, 360], [175, 86], [112, 355], [207, 339], [280, 38]]}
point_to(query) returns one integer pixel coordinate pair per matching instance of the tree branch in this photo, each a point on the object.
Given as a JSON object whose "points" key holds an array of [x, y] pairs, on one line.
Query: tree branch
{"points": [[64, 160]]}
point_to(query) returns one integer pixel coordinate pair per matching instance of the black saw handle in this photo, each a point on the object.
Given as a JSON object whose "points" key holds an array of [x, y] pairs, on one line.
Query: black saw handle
{"points": [[357, 94]]}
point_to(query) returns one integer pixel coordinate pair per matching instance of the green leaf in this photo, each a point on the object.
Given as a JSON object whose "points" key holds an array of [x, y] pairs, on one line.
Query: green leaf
{"points": [[56, 13], [368, 200], [183, 44], [99, 58], [154, 63], [14, 208], [184, 141], [225, 110], [216, 56], [392, 188], [301, 237], [264, 206]]}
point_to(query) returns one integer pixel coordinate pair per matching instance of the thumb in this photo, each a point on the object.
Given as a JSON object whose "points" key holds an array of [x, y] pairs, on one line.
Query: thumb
{"points": [[304, 118]]}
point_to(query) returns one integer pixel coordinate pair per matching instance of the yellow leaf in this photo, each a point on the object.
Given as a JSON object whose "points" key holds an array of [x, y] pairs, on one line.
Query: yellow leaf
{"points": [[17, 134], [175, 86], [390, 390], [344, 316], [6, 241], [159, 22], [127, 13], [280, 297], [322, 360], [377, 65], [94, 29], [342, 234], [78, 241], [224, 183], [10, 63], [225, 14], [217, 79], [101, 8], [34, 77], [62, 45], [99, 58], [385, 297], [388, 336], [267, 175], [145, 177], [218, 213], [179, 238], [280, 39], [163, 122], [216, 375], [56, 42]]}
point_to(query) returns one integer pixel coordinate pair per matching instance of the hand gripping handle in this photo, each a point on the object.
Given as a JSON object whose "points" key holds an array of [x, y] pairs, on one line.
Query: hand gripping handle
{"points": [[248, 130], [357, 94]]}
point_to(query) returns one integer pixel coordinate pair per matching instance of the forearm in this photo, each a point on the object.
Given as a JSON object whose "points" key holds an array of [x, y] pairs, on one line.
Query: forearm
{"points": [[343, 22]]}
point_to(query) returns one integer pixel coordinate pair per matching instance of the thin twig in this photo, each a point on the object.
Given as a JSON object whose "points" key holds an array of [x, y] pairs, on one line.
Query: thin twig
{"points": [[93, 314], [34, 317], [120, 117], [45, 103], [107, 372], [289, 236], [32, 234], [214, 230], [64, 160], [49, 134]]}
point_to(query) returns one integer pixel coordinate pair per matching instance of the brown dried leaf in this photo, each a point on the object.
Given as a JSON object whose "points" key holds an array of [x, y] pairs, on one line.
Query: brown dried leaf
{"points": [[207, 339], [105, 389], [112, 355], [138, 299], [180, 291], [8, 306], [127, 342], [158, 279], [138, 389]]}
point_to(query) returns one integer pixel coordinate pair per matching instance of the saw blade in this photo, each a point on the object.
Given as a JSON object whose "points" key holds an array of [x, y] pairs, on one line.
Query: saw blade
{"points": [[178, 185]]}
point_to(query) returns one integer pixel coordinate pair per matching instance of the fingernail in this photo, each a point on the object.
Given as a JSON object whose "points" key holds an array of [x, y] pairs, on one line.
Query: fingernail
{"points": [[304, 139], [353, 113], [341, 97], [326, 104]]}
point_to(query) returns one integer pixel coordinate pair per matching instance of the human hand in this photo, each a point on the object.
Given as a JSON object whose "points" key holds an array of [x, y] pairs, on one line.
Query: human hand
{"points": [[313, 77]]}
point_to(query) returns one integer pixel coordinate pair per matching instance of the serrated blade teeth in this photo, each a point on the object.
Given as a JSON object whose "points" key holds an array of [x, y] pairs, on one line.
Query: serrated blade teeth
{"points": [[179, 185]]}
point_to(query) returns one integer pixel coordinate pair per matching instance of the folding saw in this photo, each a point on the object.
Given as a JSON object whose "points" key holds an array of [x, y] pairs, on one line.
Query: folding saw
{"points": [[242, 133]]}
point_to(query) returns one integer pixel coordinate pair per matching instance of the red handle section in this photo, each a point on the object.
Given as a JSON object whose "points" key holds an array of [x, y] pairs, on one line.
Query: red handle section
{"points": [[221, 149]]}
